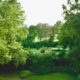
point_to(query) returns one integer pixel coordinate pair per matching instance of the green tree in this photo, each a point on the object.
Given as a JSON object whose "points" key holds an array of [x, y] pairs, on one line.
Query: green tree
{"points": [[72, 7], [44, 31], [56, 30], [11, 19], [33, 33], [70, 34]]}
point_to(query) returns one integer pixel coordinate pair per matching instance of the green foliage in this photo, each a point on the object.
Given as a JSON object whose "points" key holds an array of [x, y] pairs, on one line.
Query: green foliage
{"points": [[25, 73], [70, 34], [57, 29], [40, 32], [44, 31], [4, 52], [46, 60], [39, 61], [72, 7], [11, 18], [39, 44], [33, 33], [74, 57], [22, 33]]}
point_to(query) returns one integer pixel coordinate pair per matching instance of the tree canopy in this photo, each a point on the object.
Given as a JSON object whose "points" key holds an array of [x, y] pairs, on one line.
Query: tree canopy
{"points": [[11, 19]]}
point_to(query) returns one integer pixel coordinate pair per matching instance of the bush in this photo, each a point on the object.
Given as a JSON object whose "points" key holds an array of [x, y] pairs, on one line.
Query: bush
{"points": [[74, 57], [45, 60], [40, 60], [40, 44]]}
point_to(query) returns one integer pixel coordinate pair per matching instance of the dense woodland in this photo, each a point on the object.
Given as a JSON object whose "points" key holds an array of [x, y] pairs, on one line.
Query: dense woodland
{"points": [[40, 48]]}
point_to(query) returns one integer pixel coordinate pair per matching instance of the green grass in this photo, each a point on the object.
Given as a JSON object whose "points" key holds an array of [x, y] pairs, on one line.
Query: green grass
{"points": [[5, 76], [54, 76]]}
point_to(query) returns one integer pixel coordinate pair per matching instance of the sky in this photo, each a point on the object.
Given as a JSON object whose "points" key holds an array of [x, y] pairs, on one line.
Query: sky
{"points": [[42, 11]]}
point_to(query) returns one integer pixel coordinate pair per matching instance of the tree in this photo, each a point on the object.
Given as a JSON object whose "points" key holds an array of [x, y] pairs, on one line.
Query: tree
{"points": [[73, 7], [44, 31], [56, 30], [40, 31], [69, 36], [11, 19], [33, 33]]}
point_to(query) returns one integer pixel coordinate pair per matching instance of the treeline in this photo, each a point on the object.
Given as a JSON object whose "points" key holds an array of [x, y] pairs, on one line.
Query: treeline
{"points": [[42, 35]]}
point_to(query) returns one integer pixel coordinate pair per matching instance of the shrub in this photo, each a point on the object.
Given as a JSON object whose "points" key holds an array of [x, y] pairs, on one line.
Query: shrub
{"points": [[40, 44], [45, 60], [74, 57]]}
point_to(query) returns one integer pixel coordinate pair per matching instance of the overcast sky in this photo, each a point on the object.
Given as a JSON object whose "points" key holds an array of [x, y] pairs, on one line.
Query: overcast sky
{"points": [[42, 11]]}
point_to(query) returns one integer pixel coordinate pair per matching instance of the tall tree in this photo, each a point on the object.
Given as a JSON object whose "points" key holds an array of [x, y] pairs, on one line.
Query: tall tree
{"points": [[11, 19], [70, 34], [70, 31]]}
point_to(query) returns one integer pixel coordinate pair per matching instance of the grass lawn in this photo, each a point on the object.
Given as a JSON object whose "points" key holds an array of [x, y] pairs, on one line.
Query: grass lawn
{"points": [[4, 76], [54, 76]]}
